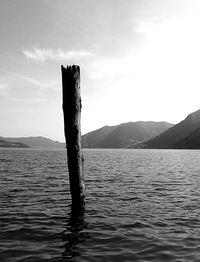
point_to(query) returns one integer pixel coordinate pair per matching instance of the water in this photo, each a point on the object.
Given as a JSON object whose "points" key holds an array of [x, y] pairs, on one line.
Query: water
{"points": [[142, 205]]}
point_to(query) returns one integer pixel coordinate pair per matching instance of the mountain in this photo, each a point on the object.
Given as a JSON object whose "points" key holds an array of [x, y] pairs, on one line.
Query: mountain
{"points": [[91, 139], [176, 134], [36, 142], [6, 144], [127, 135], [190, 142]]}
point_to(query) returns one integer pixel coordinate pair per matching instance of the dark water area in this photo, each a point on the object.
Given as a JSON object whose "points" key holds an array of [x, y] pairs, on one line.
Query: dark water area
{"points": [[142, 205]]}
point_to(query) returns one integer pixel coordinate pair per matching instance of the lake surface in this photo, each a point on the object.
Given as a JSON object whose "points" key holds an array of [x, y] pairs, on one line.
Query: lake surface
{"points": [[142, 205]]}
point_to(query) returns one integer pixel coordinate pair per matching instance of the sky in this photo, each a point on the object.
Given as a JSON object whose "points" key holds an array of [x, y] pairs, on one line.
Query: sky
{"points": [[139, 59]]}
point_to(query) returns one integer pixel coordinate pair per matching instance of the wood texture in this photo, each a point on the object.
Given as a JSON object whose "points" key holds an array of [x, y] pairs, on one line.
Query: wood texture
{"points": [[72, 125]]}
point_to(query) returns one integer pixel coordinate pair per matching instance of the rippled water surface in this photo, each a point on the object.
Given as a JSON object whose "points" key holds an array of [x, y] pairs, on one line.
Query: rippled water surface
{"points": [[142, 205]]}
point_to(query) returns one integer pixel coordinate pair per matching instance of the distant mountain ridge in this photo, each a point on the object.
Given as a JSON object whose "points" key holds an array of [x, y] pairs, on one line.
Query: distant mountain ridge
{"points": [[141, 134], [126, 135], [92, 138], [181, 135], [6, 144], [36, 142]]}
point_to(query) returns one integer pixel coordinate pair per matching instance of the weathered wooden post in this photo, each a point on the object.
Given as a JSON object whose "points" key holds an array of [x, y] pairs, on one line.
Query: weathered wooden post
{"points": [[72, 126]]}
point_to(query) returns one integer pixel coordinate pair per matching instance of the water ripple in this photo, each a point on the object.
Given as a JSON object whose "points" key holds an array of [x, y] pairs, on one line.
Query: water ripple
{"points": [[142, 205]]}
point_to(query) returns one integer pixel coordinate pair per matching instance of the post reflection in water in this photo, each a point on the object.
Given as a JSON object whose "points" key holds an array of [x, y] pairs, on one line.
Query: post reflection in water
{"points": [[74, 234]]}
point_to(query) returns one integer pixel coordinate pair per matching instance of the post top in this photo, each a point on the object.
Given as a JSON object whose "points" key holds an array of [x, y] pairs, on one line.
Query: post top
{"points": [[71, 68]]}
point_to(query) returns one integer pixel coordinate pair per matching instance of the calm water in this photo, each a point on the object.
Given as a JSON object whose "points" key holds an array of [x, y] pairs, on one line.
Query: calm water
{"points": [[142, 205]]}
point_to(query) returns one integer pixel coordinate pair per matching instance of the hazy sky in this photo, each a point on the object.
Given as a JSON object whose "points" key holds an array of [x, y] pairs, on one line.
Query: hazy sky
{"points": [[140, 60]]}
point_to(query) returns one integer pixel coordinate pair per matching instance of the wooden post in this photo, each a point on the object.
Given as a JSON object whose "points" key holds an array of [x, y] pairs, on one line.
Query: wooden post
{"points": [[72, 126]]}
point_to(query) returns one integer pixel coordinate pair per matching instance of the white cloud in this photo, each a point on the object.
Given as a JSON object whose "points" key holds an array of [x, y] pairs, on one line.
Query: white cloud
{"points": [[59, 54], [15, 76], [33, 81], [158, 79]]}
